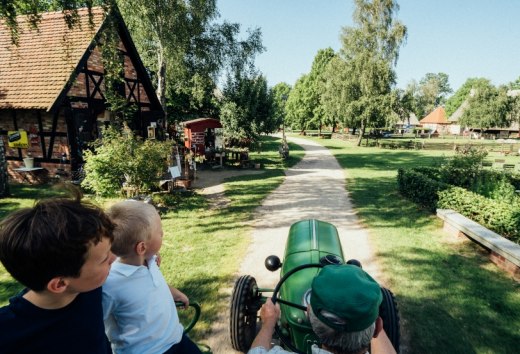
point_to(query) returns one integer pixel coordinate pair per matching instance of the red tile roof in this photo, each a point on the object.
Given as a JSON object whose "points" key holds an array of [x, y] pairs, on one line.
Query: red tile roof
{"points": [[438, 116], [33, 74]]}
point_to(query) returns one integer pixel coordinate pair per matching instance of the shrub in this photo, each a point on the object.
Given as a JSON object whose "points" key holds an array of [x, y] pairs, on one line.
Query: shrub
{"points": [[463, 168], [119, 158], [419, 188], [495, 185], [503, 217]]}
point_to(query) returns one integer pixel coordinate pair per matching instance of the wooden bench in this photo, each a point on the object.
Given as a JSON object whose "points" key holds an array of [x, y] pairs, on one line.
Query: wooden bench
{"points": [[499, 163], [509, 166], [503, 252], [486, 163]]}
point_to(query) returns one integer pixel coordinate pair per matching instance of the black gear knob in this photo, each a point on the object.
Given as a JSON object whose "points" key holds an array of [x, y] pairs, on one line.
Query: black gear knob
{"points": [[272, 263]]}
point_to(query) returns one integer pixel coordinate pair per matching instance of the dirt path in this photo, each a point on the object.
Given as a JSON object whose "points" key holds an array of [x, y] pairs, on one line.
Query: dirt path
{"points": [[314, 188]]}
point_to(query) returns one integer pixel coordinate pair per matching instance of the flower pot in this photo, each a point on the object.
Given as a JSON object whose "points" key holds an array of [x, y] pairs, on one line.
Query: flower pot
{"points": [[28, 162]]}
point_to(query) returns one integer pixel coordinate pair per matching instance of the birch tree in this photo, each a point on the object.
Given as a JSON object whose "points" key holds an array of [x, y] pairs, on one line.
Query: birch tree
{"points": [[370, 51]]}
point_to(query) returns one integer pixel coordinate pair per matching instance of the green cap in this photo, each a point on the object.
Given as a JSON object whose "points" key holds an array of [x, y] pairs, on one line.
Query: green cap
{"points": [[345, 297]]}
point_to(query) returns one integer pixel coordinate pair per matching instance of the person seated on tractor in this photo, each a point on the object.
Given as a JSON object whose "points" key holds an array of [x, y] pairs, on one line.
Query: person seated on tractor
{"points": [[138, 305], [343, 313]]}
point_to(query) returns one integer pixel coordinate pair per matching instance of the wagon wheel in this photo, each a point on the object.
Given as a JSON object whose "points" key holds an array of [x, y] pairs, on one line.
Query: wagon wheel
{"points": [[245, 303], [390, 315]]}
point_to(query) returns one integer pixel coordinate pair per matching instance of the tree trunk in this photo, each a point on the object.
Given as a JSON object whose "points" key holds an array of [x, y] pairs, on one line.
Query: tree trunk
{"points": [[361, 133], [161, 82], [4, 182]]}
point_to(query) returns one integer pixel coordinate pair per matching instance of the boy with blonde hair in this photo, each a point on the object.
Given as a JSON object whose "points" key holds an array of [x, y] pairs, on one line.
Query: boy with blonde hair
{"points": [[138, 305]]}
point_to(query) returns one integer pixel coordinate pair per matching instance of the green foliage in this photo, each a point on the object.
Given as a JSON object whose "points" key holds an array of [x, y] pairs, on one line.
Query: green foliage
{"points": [[463, 168], [305, 106], [487, 107], [491, 202], [433, 89], [280, 93], [314, 90], [337, 92], [124, 158], [247, 111], [419, 188], [186, 50], [501, 216], [496, 185], [298, 107], [462, 94], [370, 50]]}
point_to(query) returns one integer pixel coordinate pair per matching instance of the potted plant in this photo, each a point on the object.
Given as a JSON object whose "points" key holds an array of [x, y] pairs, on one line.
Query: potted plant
{"points": [[28, 161]]}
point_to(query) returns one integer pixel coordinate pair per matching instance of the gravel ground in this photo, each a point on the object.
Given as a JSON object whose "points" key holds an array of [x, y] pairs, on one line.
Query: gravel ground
{"points": [[314, 188]]}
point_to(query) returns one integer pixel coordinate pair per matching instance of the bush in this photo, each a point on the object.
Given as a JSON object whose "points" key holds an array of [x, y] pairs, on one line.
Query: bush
{"points": [[503, 217], [419, 188], [495, 185], [124, 158], [463, 168]]}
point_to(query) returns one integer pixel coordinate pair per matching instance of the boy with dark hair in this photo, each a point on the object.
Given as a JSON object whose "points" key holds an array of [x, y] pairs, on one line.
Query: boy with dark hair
{"points": [[60, 250]]}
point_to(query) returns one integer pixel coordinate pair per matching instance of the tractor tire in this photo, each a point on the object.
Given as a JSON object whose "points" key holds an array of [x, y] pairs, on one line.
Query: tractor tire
{"points": [[390, 315], [245, 303]]}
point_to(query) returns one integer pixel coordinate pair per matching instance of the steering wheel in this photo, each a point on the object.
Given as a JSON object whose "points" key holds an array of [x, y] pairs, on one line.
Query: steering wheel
{"points": [[274, 298]]}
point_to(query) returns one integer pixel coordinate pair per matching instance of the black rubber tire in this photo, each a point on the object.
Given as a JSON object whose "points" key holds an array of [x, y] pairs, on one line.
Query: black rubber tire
{"points": [[245, 303], [390, 315]]}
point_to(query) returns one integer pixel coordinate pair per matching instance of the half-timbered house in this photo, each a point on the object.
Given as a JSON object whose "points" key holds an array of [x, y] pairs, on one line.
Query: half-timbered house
{"points": [[53, 94]]}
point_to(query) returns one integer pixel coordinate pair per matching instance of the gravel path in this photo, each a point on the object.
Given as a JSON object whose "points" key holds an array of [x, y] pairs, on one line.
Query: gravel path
{"points": [[314, 188]]}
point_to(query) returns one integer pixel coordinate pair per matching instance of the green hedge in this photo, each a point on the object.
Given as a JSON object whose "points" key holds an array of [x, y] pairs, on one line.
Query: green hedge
{"points": [[500, 216], [419, 188]]}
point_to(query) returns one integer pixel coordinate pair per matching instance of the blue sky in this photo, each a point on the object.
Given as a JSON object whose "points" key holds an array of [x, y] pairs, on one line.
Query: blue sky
{"points": [[462, 38]]}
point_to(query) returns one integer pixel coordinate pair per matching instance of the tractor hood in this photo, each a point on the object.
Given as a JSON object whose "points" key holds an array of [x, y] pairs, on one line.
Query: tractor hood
{"points": [[308, 242]]}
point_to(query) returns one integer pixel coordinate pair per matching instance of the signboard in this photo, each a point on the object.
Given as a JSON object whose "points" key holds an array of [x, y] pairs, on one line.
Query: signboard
{"points": [[151, 132], [175, 171], [197, 138], [18, 139]]}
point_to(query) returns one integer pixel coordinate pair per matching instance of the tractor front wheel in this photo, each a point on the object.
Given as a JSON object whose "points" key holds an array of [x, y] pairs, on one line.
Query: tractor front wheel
{"points": [[245, 303], [390, 315]]}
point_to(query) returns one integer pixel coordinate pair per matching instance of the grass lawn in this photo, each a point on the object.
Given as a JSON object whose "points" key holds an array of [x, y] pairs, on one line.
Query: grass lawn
{"points": [[202, 248], [452, 299]]}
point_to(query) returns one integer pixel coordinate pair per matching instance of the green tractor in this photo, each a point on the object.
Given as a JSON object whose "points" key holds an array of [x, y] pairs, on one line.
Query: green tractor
{"points": [[311, 245]]}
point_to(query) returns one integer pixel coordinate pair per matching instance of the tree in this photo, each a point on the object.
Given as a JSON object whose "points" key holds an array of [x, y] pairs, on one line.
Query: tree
{"points": [[514, 102], [462, 94], [487, 107], [280, 93], [247, 111], [164, 30], [298, 108], [370, 51], [314, 88], [433, 89], [337, 95], [405, 103], [187, 51]]}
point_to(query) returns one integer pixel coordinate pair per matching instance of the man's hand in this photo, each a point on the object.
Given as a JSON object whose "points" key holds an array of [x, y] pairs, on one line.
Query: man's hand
{"points": [[269, 313]]}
